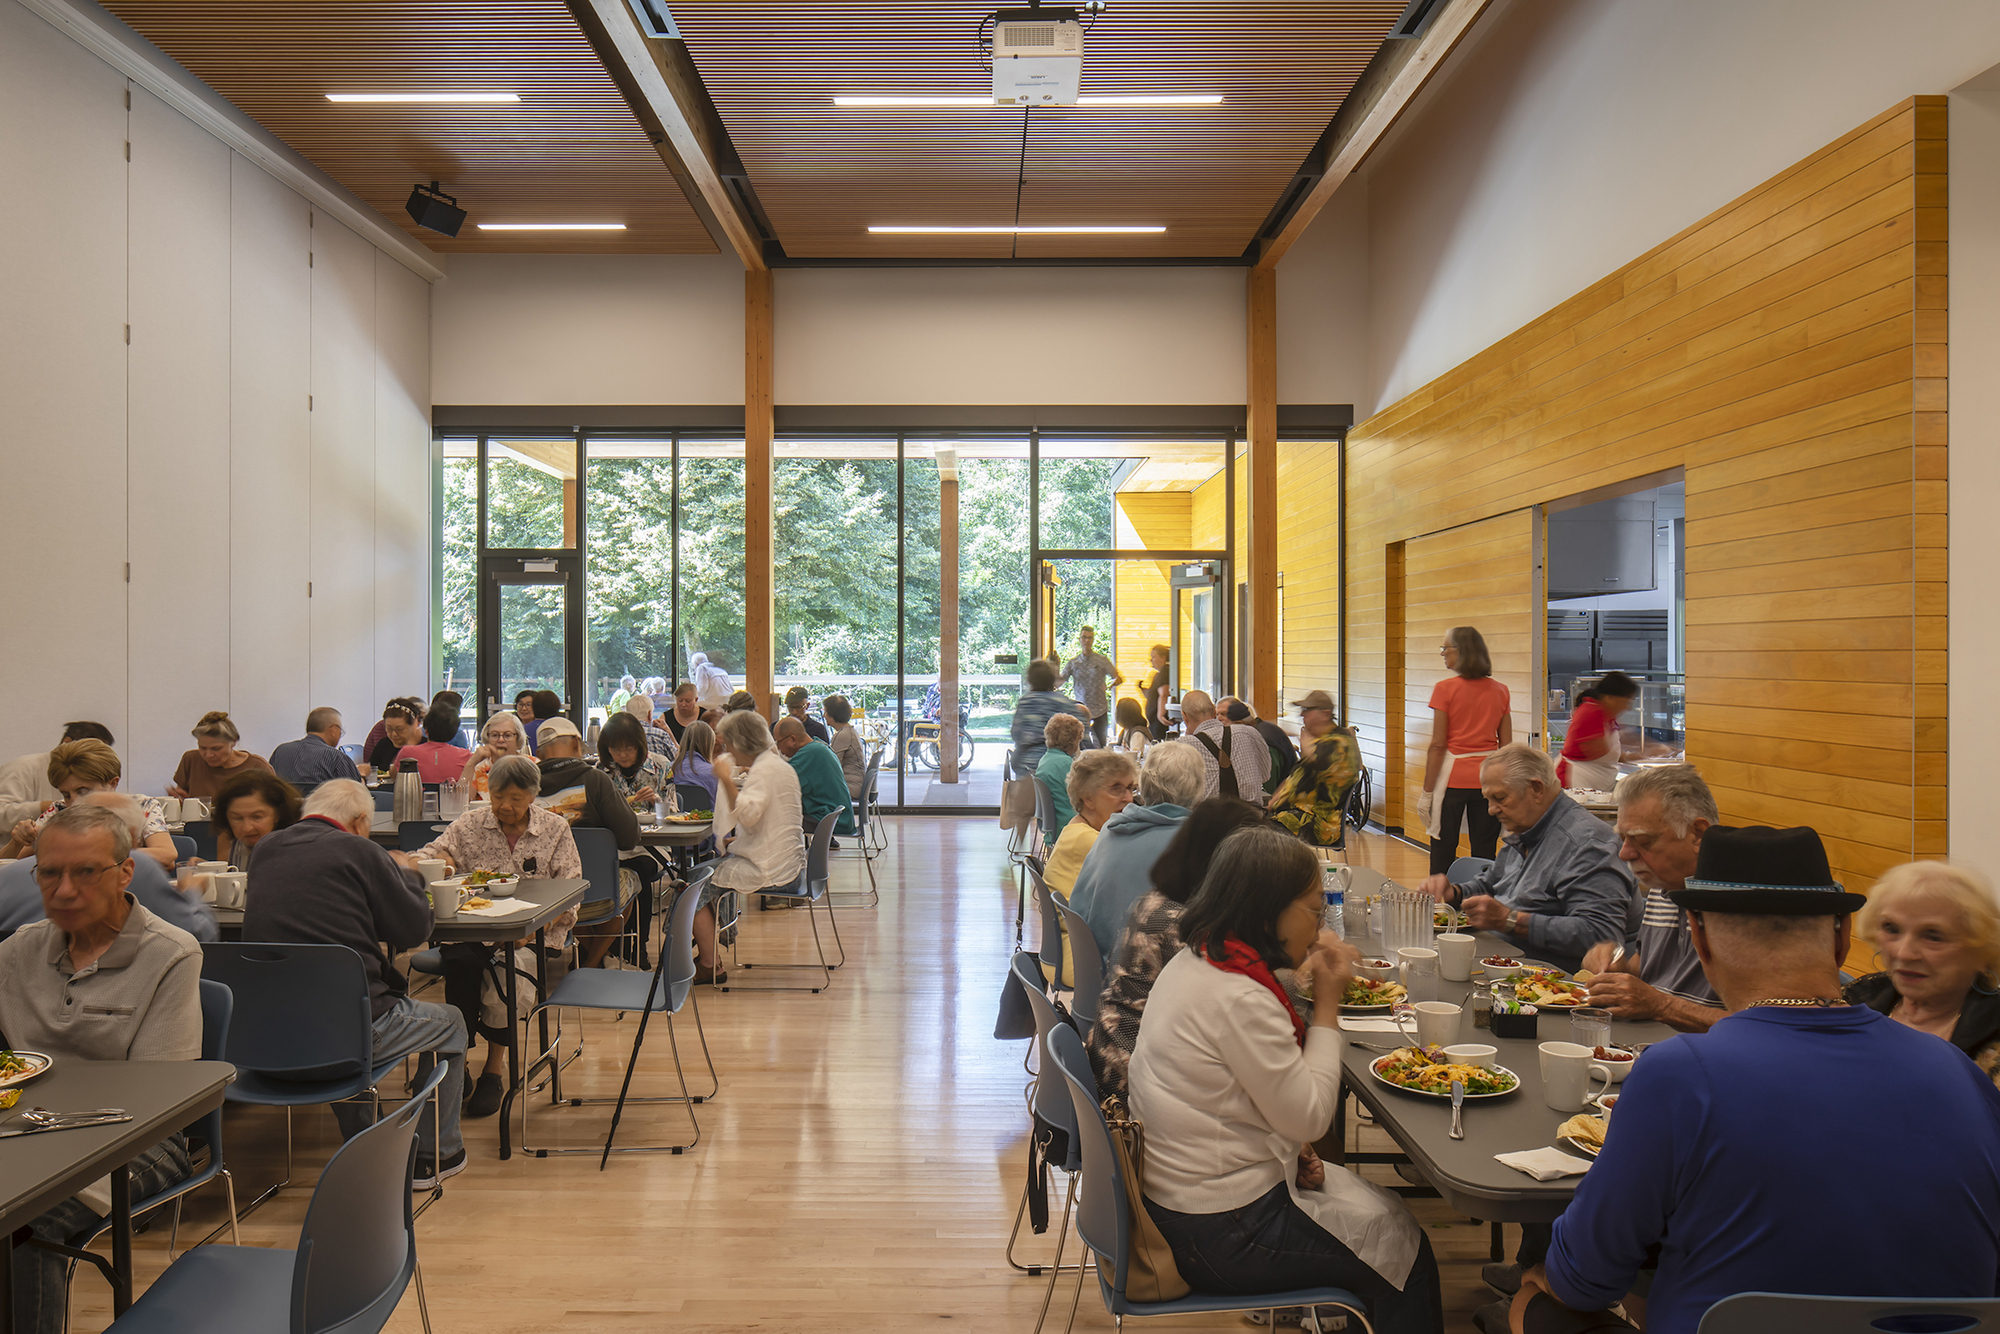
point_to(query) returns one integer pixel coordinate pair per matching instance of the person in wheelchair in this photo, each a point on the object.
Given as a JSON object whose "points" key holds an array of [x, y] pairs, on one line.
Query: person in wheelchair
{"points": [[1310, 801]]}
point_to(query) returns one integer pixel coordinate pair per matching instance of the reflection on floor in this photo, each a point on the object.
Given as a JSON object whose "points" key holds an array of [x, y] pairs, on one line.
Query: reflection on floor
{"points": [[859, 1171]]}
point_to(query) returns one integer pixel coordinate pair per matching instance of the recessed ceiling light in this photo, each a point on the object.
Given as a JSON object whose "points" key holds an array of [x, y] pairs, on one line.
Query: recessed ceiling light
{"points": [[423, 97], [1105, 100], [551, 226], [1015, 231]]}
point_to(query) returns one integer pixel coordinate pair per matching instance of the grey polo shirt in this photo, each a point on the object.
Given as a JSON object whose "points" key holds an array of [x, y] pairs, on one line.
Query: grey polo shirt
{"points": [[1566, 873], [1667, 961], [140, 1001]]}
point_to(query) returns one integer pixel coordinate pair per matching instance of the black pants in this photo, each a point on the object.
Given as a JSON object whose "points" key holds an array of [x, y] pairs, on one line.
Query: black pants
{"points": [[1271, 1245], [464, 968], [1546, 1315], [1470, 804], [1097, 729]]}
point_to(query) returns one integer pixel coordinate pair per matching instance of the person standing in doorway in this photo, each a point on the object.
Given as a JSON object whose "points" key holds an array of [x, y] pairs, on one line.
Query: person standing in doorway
{"points": [[1087, 674], [1154, 686], [1469, 721]]}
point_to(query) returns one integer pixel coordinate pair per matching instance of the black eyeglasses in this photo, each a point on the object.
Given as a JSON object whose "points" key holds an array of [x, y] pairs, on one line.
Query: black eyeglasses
{"points": [[49, 877]]}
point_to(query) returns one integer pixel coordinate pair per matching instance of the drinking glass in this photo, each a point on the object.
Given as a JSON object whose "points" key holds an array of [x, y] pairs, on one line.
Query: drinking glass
{"points": [[1590, 1027]]}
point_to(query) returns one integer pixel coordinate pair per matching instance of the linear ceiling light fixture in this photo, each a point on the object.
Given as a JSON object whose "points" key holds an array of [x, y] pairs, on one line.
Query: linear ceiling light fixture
{"points": [[1106, 100], [551, 226], [439, 98], [1015, 231]]}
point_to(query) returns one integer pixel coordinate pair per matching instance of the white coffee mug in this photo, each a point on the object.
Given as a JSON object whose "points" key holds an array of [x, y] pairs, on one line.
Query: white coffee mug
{"points": [[193, 809], [1437, 1023], [170, 809], [433, 869], [1455, 953], [229, 888], [1417, 970], [444, 899], [213, 868], [1566, 1074]]}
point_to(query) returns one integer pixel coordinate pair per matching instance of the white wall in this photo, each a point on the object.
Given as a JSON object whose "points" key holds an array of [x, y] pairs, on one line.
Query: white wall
{"points": [[1572, 136], [1323, 305], [192, 453]]}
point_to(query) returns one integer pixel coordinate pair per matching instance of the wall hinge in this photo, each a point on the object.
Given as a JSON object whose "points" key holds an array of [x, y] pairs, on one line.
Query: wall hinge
{"points": [[128, 150], [309, 592], [309, 259], [309, 402], [128, 335], [128, 571], [128, 99]]}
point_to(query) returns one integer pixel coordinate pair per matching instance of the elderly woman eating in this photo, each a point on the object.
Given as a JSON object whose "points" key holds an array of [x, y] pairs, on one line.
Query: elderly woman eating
{"points": [[502, 737], [1100, 784], [77, 769], [1233, 1087], [214, 759], [1937, 929], [757, 816], [248, 807], [1064, 735], [516, 836]]}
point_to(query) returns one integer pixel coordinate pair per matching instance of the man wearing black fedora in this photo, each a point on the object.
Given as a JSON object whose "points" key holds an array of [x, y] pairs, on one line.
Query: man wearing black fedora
{"points": [[1739, 1156]]}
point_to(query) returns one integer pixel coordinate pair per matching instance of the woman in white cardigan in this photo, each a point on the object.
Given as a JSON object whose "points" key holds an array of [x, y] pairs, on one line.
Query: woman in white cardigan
{"points": [[757, 820], [1233, 1087]]}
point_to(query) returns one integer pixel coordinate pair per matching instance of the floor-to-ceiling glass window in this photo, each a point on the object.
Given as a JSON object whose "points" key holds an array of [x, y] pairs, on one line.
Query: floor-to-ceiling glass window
{"points": [[710, 543], [629, 576], [456, 631]]}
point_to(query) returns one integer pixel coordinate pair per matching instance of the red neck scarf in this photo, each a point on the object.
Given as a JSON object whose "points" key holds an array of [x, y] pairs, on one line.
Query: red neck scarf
{"points": [[1240, 958]]}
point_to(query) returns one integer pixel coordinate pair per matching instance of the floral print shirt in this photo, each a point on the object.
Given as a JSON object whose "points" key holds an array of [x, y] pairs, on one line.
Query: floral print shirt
{"points": [[475, 842]]}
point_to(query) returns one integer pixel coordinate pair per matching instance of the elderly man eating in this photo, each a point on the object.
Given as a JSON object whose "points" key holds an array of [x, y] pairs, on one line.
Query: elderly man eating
{"points": [[1662, 814], [1731, 1157], [98, 979], [322, 882], [1557, 887]]}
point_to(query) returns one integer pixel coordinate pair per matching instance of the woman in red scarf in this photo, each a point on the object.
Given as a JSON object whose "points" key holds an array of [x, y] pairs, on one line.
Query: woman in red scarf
{"points": [[1233, 1086]]}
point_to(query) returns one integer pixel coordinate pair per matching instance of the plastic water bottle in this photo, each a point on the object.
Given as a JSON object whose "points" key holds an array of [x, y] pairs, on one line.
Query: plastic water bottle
{"points": [[1333, 916]]}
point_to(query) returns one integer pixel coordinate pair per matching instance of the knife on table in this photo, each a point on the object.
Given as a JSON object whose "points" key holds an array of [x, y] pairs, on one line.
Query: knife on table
{"points": [[1457, 1108]]}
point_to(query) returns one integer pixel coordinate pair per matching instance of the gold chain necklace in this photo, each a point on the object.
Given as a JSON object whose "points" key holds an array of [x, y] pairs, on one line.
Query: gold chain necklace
{"points": [[1808, 1003]]}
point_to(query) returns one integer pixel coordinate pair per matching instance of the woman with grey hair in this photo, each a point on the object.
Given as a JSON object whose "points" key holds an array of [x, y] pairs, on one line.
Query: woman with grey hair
{"points": [[1064, 734], [757, 818], [515, 836], [503, 735]]}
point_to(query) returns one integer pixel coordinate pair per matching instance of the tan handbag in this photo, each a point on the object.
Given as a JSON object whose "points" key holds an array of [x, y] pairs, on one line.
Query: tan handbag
{"points": [[1150, 1272]]}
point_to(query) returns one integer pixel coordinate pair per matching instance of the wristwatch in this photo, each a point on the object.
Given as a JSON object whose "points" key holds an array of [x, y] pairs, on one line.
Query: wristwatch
{"points": [[1520, 921]]}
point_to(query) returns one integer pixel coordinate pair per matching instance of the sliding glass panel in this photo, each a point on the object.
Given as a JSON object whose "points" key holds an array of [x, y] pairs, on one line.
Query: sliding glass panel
{"points": [[531, 493], [711, 555], [531, 639], [628, 580], [993, 639], [458, 566], [922, 623]]}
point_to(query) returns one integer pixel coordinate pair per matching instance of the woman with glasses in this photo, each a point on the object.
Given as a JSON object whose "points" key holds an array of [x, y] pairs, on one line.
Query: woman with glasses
{"points": [[502, 736], [1469, 721]]}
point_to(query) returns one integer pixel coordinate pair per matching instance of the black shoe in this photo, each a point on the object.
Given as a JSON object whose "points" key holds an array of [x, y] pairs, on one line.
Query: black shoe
{"points": [[1492, 1319], [426, 1177], [486, 1096], [1502, 1278]]}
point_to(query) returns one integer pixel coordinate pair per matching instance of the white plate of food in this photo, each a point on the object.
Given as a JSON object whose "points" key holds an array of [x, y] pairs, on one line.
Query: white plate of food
{"points": [[18, 1067], [482, 881], [1412, 1071], [1582, 1133], [1547, 991], [1367, 996]]}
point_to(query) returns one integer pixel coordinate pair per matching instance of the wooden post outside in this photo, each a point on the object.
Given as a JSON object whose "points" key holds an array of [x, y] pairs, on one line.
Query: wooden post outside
{"points": [[757, 432], [948, 627], [1261, 465]]}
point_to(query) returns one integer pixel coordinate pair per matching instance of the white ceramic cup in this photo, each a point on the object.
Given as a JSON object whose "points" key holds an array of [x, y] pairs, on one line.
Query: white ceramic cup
{"points": [[1437, 1023], [1456, 951], [229, 888], [1417, 970], [1566, 1074], [444, 900], [1472, 1053], [433, 869], [170, 809], [212, 868], [192, 808]]}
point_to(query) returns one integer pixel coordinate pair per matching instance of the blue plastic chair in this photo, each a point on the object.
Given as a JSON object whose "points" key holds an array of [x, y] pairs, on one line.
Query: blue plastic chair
{"points": [[416, 835], [385, 798], [1790, 1313], [184, 847], [1466, 869], [202, 834], [664, 989], [1086, 965], [809, 888], [1104, 1223], [1052, 932], [1053, 1127], [356, 1256], [302, 1031]]}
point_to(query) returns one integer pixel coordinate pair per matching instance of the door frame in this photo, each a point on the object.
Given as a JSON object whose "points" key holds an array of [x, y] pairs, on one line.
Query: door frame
{"points": [[510, 565]]}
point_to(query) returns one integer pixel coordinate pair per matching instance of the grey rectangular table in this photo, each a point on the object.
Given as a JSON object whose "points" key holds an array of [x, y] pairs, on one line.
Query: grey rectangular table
{"points": [[39, 1171], [1464, 1172]]}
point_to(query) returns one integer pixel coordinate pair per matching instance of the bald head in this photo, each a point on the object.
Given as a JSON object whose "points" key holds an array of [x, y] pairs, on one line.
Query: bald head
{"points": [[1196, 708], [127, 808], [791, 735]]}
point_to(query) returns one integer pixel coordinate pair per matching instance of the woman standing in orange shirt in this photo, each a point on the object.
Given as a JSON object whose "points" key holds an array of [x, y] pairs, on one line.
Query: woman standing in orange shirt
{"points": [[1469, 721]]}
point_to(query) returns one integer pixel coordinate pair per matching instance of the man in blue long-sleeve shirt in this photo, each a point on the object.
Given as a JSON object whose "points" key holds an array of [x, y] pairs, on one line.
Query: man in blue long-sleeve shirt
{"points": [[1800, 1145]]}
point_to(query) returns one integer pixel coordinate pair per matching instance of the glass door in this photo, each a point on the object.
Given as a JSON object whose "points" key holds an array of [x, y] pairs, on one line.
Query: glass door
{"points": [[531, 553]]}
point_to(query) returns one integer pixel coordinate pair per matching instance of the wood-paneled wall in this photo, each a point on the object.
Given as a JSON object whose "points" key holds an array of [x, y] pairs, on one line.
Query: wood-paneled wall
{"points": [[1154, 520], [1309, 565], [1788, 351]]}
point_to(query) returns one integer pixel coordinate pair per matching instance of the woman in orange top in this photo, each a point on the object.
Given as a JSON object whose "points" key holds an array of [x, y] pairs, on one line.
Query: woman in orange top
{"points": [[1469, 721]]}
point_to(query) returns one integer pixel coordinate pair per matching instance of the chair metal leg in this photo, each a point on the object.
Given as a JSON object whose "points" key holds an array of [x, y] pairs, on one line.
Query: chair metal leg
{"points": [[1055, 1270], [1083, 1274], [423, 1307]]}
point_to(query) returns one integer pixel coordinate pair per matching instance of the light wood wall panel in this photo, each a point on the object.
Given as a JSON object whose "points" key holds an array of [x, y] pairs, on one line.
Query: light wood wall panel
{"points": [[1788, 352], [1309, 564], [1154, 520]]}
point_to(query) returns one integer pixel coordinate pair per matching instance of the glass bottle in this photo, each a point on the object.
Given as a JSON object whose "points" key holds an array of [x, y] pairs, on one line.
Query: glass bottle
{"points": [[1482, 1006]]}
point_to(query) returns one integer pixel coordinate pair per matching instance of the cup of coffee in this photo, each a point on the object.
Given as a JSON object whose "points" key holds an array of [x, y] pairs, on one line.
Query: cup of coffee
{"points": [[1437, 1023], [1455, 952], [1417, 970], [1567, 1070], [170, 809], [444, 899], [229, 887], [433, 869], [193, 809]]}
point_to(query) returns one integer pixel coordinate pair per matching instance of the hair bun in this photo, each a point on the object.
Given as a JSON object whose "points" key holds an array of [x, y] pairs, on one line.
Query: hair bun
{"points": [[213, 716]]}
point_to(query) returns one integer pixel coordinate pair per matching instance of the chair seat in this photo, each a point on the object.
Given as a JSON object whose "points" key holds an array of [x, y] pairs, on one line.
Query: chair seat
{"points": [[1201, 1303], [217, 1290], [427, 961], [254, 1086], [608, 989]]}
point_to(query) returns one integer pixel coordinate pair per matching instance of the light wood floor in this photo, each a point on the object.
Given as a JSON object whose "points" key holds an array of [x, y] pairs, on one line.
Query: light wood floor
{"points": [[859, 1171]]}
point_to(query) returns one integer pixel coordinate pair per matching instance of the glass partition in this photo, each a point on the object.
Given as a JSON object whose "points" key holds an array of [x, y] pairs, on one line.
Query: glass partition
{"points": [[531, 493], [710, 543], [458, 564]]}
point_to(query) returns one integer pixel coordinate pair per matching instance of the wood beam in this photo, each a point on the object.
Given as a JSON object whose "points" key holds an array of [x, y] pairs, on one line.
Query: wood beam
{"points": [[662, 84], [757, 432], [1261, 513], [1384, 91]]}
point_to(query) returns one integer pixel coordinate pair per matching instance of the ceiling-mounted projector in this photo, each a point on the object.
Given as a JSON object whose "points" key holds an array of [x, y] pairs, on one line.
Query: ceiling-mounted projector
{"points": [[1037, 57]]}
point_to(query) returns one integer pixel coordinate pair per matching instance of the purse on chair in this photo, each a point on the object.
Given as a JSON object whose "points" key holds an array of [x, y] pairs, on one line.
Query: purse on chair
{"points": [[1150, 1272]]}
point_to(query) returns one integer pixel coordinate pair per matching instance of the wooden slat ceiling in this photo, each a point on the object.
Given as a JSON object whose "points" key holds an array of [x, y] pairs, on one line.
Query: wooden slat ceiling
{"points": [[1209, 174], [569, 151]]}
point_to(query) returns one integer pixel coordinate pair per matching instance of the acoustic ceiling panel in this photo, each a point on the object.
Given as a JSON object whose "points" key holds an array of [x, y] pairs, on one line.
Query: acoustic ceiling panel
{"points": [[1210, 175], [569, 151]]}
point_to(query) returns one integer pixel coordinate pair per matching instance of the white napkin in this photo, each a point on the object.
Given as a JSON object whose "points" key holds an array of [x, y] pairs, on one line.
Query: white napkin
{"points": [[499, 908], [1544, 1164], [1367, 1025]]}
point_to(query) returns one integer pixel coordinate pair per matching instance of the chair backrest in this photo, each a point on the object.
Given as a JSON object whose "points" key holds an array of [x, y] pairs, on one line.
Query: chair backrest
{"points": [[385, 799], [869, 778], [202, 834], [679, 953], [1790, 1313], [1086, 965], [816, 855], [216, 1005], [1051, 1098], [1467, 868], [1101, 1217], [184, 847], [297, 1010], [597, 849], [1045, 812], [358, 1246], [1045, 903], [415, 835], [693, 797]]}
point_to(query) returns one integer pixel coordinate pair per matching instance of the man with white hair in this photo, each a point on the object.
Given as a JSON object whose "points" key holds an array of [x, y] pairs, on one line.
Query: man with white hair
{"points": [[1235, 761], [21, 899], [1118, 870], [712, 685], [1557, 887], [323, 882]]}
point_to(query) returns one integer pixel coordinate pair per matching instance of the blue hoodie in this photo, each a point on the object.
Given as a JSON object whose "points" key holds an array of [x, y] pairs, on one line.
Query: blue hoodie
{"points": [[1118, 870]]}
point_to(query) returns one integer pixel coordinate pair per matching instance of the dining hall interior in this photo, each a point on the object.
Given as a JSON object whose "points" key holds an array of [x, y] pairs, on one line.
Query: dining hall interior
{"points": [[569, 418]]}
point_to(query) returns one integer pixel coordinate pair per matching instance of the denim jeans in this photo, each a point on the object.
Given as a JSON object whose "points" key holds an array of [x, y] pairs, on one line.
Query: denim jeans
{"points": [[41, 1296], [427, 1030], [1271, 1245]]}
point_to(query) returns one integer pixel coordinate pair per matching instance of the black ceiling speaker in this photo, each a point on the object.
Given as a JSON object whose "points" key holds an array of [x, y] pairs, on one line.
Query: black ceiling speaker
{"points": [[433, 209]]}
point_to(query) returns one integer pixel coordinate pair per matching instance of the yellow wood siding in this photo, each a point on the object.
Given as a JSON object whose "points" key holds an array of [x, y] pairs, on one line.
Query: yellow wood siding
{"points": [[1154, 520]]}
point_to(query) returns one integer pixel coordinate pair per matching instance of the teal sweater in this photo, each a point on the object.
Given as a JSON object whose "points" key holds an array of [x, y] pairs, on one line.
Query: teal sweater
{"points": [[823, 786]]}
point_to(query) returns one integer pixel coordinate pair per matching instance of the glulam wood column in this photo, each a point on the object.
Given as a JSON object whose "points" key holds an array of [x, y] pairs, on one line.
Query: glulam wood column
{"points": [[1260, 549], [757, 433]]}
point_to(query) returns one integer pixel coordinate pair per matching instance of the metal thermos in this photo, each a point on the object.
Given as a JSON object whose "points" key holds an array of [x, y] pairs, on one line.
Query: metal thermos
{"points": [[409, 803]]}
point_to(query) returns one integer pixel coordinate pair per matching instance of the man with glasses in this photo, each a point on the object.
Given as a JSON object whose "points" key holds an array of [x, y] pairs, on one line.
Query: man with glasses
{"points": [[316, 757], [99, 979]]}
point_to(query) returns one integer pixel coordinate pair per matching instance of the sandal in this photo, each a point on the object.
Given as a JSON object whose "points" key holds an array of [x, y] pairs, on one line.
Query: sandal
{"points": [[710, 976]]}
